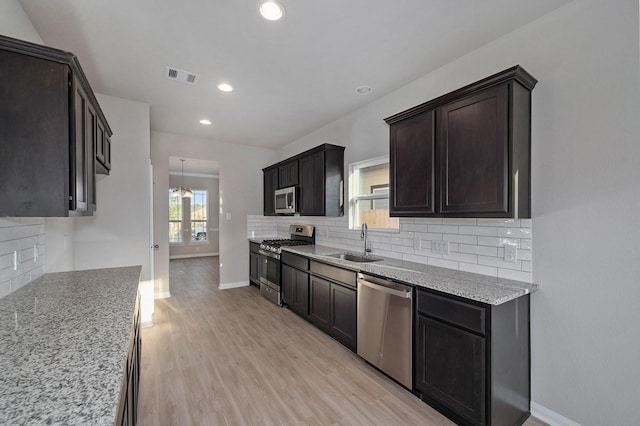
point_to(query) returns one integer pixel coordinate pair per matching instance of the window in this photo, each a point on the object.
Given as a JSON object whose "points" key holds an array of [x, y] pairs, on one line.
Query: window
{"points": [[199, 215], [175, 218], [369, 190]]}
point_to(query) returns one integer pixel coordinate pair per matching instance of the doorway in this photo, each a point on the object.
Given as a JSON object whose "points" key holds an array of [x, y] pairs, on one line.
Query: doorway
{"points": [[193, 198]]}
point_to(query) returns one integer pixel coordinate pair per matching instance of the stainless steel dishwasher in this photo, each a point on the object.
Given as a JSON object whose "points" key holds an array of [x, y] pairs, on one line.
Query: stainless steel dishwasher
{"points": [[385, 335]]}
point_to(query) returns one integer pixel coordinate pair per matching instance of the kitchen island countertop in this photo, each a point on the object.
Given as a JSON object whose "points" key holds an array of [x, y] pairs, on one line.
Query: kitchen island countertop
{"points": [[63, 347], [481, 288]]}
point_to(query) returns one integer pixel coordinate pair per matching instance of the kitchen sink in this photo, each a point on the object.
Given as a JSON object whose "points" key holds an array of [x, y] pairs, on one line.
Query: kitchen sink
{"points": [[352, 257]]}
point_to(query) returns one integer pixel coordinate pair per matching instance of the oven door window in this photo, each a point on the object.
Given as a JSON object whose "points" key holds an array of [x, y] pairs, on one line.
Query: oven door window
{"points": [[271, 270]]}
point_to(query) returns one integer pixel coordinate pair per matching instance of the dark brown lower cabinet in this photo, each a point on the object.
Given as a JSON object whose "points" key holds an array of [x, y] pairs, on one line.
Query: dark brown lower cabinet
{"points": [[320, 302], [472, 360], [333, 308], [344, 315], [295, 290], [128, 406]]}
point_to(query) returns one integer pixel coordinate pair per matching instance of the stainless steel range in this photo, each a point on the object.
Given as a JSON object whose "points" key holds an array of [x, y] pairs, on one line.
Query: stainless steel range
{"points": [[270, 266]]}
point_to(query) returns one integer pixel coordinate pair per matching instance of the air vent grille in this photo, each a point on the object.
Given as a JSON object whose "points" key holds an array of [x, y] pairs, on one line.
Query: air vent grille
{"points": [[180, 75]]}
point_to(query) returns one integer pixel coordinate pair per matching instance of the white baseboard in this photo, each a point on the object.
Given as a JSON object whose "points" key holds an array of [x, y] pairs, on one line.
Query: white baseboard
{"points": [[233, 285], [551, 417], [187, 256], [162, 295]]}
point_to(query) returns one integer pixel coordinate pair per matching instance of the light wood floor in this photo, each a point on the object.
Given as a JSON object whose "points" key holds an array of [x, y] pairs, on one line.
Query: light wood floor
{"points": [[217, 357]]}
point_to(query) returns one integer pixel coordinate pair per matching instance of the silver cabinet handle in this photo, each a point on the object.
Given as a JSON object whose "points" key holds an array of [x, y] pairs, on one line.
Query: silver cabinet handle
{"points": [[399, 293]]}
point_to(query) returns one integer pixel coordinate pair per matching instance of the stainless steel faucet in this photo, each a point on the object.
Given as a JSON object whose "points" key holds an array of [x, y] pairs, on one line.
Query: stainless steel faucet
{"points": [[363, 235]]}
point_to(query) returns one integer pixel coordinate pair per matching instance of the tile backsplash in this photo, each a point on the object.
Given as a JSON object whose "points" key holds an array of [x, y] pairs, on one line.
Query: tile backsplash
{"points": [[474, 245], [21, 239]]}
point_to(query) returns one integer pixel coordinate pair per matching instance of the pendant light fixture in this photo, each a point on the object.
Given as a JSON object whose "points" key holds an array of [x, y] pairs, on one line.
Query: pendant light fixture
{"points": [[182, 191]]}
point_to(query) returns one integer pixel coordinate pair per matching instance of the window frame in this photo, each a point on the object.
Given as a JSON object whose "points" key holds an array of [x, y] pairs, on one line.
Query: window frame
{"points": [[354, 196], [179, 221], [205, 221]]}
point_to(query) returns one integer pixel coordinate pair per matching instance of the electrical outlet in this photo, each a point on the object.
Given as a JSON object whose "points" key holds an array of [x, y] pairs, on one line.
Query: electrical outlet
{"points": [[440, 247], [510, 253]]}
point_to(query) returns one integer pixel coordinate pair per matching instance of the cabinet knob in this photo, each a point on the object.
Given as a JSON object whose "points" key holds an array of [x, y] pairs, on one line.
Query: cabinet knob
{"points": [[156, 246]]}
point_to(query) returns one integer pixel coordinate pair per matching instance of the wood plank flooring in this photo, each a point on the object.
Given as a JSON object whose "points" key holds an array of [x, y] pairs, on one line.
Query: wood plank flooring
{"points": [[230, 357]]}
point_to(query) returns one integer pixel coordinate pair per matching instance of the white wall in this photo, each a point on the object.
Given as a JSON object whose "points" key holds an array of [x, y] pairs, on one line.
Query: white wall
{"points": [[240, 195], [15, 23], [586, 197], [118, 232]]}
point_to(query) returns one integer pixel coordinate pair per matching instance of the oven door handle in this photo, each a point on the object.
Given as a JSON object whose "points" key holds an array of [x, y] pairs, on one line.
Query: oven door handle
{"points": [[270, 254]]}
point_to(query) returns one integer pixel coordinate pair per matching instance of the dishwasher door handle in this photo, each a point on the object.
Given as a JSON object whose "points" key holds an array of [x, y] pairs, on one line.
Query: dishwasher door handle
{"points": [[384, 289]]}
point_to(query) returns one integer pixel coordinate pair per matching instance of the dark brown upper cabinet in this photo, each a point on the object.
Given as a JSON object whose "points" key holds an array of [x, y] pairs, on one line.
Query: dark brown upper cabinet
{"points": [[50, 126], [288, 174], [466, 153], [270, 185], [319, 175]]}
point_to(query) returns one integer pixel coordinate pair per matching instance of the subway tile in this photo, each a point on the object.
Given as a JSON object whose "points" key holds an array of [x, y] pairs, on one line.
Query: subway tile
{"points": [[461, 257], [527, 266], [460, 239], [488, 231], [515, 275], [514, 232], [443, 263], [413, 227], [525, 244], [479, 269], [509, 241], [7, 222], [5, 288], [499, 222], [489, 241], [6, 261], [526, 223], [444, 229], [428, 220], [524, 255], [459, 221], [415, 258], [428, 236], [480, 250], [499, 263], [6, 234]]}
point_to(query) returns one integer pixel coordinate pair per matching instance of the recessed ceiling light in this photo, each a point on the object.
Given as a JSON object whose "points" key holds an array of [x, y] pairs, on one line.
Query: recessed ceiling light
{"points": [[205, 122], [225, 87], [364, 90], [271, 10]]}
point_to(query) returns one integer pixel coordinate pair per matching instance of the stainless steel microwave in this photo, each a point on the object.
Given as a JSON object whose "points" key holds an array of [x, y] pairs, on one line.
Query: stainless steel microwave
{"points": [[286, 200]]}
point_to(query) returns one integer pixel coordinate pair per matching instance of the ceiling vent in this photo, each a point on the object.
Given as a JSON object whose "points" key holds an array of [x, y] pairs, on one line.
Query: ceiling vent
{"points": [[182, 76]]}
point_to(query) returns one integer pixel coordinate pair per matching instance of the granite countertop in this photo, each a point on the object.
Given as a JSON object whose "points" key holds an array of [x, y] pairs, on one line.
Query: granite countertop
{"points": [[63, 347], [482, 288]]}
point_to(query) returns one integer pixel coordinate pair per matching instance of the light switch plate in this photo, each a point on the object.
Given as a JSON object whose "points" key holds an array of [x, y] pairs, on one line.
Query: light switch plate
{"points": [[440, 247]]}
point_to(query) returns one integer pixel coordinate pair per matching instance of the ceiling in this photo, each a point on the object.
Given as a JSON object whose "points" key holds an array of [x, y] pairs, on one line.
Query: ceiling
{"points": [[290, 77]]}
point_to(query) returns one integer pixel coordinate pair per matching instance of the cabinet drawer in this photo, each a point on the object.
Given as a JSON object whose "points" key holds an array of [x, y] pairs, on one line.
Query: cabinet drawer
{"points": [[340, 275], [296, 261], [463, 314]]}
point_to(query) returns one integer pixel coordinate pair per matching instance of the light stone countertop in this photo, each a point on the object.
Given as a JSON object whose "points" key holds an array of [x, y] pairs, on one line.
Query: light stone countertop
{"points": [[482, 288], [63, 347]]}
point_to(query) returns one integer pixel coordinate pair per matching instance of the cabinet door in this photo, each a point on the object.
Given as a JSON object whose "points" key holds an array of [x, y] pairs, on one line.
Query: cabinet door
{"points": [[344, 303], [288, 285], [473, 143], [254, 264], [288, 174], [320, 302], [90, 157], [301, 294], [451, 368], [107, 152], [79, 187], [412, 160], [312, 185], [270, 185], [100, 142]]}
